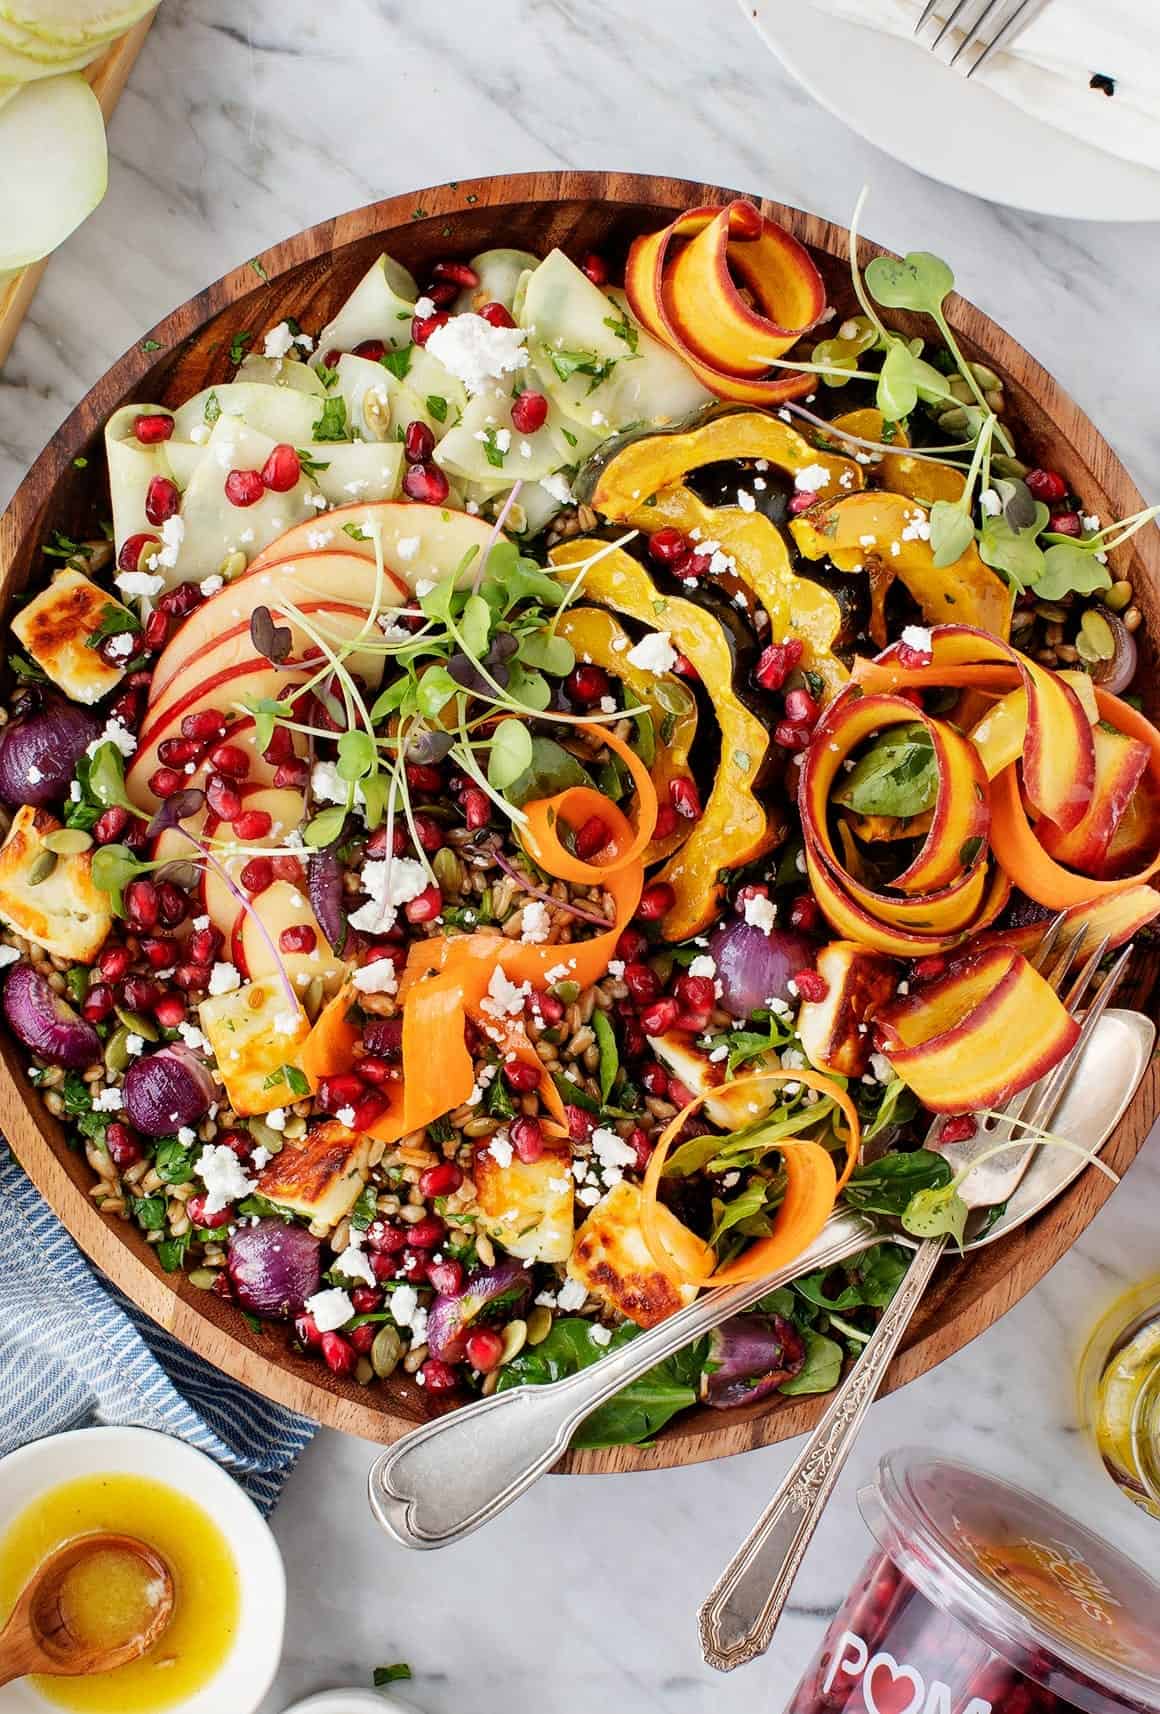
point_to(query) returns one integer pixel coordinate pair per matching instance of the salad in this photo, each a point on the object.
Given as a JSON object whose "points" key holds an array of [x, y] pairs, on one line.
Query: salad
{"points": [[544, 787]]}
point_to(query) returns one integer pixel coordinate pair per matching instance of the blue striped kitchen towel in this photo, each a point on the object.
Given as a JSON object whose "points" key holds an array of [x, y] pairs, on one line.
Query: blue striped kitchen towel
{"points": [[73, 1351]]}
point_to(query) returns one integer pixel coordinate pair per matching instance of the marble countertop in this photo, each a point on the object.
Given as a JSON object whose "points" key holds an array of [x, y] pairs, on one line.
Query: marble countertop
{"points": [[238, 127]]}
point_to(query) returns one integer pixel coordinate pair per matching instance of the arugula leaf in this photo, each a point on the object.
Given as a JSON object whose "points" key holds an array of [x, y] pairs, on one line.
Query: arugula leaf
{"points": [[331, 425], [171, 1252], [896, 776], [898, 1104], [748, 1202], [873, 1279], [27, 669], [149, 1213]]}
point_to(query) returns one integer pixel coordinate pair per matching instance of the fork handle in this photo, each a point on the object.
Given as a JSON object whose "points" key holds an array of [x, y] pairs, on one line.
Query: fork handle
{"points": [[741, 1613]]}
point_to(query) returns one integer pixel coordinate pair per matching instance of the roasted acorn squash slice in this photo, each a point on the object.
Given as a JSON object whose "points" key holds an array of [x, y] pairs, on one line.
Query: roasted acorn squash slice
{"points": [[898, 472]]}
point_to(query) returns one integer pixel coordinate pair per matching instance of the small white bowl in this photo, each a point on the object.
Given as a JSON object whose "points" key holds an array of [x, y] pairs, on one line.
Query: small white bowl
{"points": [[249, 1668], [361, 1701]]}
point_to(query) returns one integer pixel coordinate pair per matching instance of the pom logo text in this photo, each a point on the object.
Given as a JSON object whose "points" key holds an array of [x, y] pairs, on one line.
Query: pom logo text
{"points": [[892, 1687]]}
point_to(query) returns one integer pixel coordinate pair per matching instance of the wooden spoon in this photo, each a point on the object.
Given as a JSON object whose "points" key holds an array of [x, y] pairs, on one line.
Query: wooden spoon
{"points": [[37, 1639]]}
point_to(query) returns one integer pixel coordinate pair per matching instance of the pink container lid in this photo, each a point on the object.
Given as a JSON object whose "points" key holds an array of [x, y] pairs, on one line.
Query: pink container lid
{"points": [[1062, 1606]]}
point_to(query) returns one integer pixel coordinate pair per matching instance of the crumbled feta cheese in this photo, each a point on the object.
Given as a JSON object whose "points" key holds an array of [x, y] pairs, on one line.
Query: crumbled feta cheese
{"points": [[810, 478], [703, 965], [916, 529], [424, 586], [281, 340], [917, 637], [122, 646], [172, 536], [377, 978], [345, 1116], [352, 1264], [211, 585], [391, 882], [989, 503], [600, 1335], [139, 583], [882, 1068], [761, 913], [192, 1036], [186, 1136], [404, 1302], [109, 1101], [424, 307], [276, 1118], [476, 352], [220, 1170], [558, 486], [224, 978], [117, 734], [34, 775], [572, 1295], [286, 1023], [610, 1151], [316, 540], [746, 501], [654, 653], [505, 999], [535, 924], [331, 1308], [134, 1044], [500, 1149], [407, 547]]}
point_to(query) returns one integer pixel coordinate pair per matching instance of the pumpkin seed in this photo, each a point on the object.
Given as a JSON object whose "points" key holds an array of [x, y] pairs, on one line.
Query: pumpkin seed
{"points": [[1118, 596], [995, 401], [960, 389], [117, 1055], [137, 1024], [1001, 465], [953, 421], [1085, 651], [68, 841], [42, 868], [1050, 611], [203, 1278], [376, 412], [364, 1374], [386, 1352], [1098, 633], [517, 518], [538, 1324], [986, 378], [515, 1337], [448, 870], [232, 565], [568, 992], [312, 997], [265, 1135]]}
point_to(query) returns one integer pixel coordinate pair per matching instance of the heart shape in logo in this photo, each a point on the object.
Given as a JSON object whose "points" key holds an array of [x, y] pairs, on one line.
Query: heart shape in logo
{"points": [[888, 1688]]}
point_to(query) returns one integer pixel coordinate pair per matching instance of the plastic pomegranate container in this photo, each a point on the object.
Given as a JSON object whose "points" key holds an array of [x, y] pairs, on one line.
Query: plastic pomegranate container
{"points": [[983, 1599]]}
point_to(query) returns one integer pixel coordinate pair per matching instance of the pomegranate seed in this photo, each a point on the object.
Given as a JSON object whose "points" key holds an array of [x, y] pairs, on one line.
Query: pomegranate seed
{"points": [[656, 901], [908, 656], [383, 1266], [140, 993], [427, 483], [341, 1090], [642, 982], [114, 962], [958, 1129], [591, 838], [659, 1017], [366, 1299], [124, 1149], [253, 824], [98, 1002], [426, 907], [805, 914], [156, 633], [306, 1331], [421, 777], [801, 502], [153, 428], [926, 969], [223, 798], [446, 1277], [198, 1210], [791, 737], [281, 746], [429, 831], [595, 268], [476, 808], [438, 1377], [442, 293], [175, 752], [521, 1076], [777, 661], [295, 773], [331, 357], [497, 315], [299, 937], [631, 946], [240, 1142], [173, 903], [362, 1338], [137, 836], [160, 951], [423, 326], [550, 1009], [667, 821], [142, 906], [110, 825], [1046, 485], [162, 499], [686, 799], [459, 274], [244, 487], [181, 601], [801, 709], [170, 1011], [425, 1234], [441, 1180], [586, 684], [527, 1138], [684, 667], [1065, 524], [204, 944], [632, 1038], [287, 868], [372, 349], [529, 412], [206, 723], [580, 1124], [656, 1080], [165, 782], [339, 1354], [412, 1266], [668, 546], [418, 442], [680, 1093], [381, 1235], [810, 985], [484, 1349], [638, 1140], [129, 558], [374, 1070], [257, 875], [230, 759], [190, 976], [696, 992]]}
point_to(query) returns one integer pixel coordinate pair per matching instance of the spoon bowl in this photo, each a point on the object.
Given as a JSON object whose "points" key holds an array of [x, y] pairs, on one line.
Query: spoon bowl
{"points": [[38, 1638]]}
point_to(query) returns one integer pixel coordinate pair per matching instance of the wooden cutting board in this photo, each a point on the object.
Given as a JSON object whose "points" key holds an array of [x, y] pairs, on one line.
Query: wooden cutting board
{"points": [[107, 76]]}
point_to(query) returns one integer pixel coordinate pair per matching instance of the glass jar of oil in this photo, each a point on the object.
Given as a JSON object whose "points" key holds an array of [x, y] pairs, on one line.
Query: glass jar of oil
{"points": [[1119, 1385]]}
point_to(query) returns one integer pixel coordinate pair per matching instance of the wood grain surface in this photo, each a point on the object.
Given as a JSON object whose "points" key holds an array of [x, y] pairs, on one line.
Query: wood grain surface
{"points": [[307, 277]]}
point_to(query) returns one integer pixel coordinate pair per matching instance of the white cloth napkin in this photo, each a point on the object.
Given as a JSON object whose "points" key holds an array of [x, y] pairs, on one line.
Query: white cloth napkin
{"points": [[1048, 67]]}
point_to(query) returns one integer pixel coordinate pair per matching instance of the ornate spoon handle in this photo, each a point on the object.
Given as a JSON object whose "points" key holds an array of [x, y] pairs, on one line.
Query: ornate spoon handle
{"points": [[739, 1617]]}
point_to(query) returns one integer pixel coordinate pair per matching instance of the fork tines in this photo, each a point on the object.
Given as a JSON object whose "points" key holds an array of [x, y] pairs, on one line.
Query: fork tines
{"points": [[972, 17]]}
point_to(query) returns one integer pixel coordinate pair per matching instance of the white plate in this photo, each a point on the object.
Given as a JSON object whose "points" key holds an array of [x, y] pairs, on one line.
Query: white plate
{"points": [[961, 133], [360, 1701], [249, 1668]]}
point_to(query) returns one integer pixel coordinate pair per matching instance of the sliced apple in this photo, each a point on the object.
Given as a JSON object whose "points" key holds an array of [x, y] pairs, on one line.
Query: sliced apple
{"points": [[221, 694], [835, 1031], [279, 908], [285, 807], [418, 541]]}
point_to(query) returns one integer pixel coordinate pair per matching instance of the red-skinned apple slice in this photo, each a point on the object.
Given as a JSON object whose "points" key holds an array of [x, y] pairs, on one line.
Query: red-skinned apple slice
{"points": [[222, 694], [280, 907], [285, 807], [418, 541]]}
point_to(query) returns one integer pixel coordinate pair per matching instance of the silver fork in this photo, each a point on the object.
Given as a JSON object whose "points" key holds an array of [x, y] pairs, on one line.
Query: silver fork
{"points": [[741, 1613], [1004, 17]]}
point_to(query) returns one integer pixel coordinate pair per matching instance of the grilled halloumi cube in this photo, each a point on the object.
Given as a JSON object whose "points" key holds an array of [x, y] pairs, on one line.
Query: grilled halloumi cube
{"points": [[64, 912], [54, 628], [322, 1177], [727, 1106], [834, 1032], [611, 1258], [254, 1032], [527, 1205]]}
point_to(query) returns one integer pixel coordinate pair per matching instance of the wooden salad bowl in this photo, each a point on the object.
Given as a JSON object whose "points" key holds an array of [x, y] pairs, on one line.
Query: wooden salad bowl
{"points": [[307, 277]]}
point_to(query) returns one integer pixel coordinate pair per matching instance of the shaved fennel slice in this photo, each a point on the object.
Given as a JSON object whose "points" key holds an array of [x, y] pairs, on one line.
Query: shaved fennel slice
{"points": [[77, 22], [54, 167]]}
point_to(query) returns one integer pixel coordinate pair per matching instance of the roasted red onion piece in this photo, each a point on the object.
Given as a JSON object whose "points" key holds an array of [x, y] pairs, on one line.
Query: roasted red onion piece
{"points": [[486, 1293], [167, 1090], [754, 967], [47, 1024], [750, 1356], [274, 1268], [324, 883], [39, 752], [1117, 674]]}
